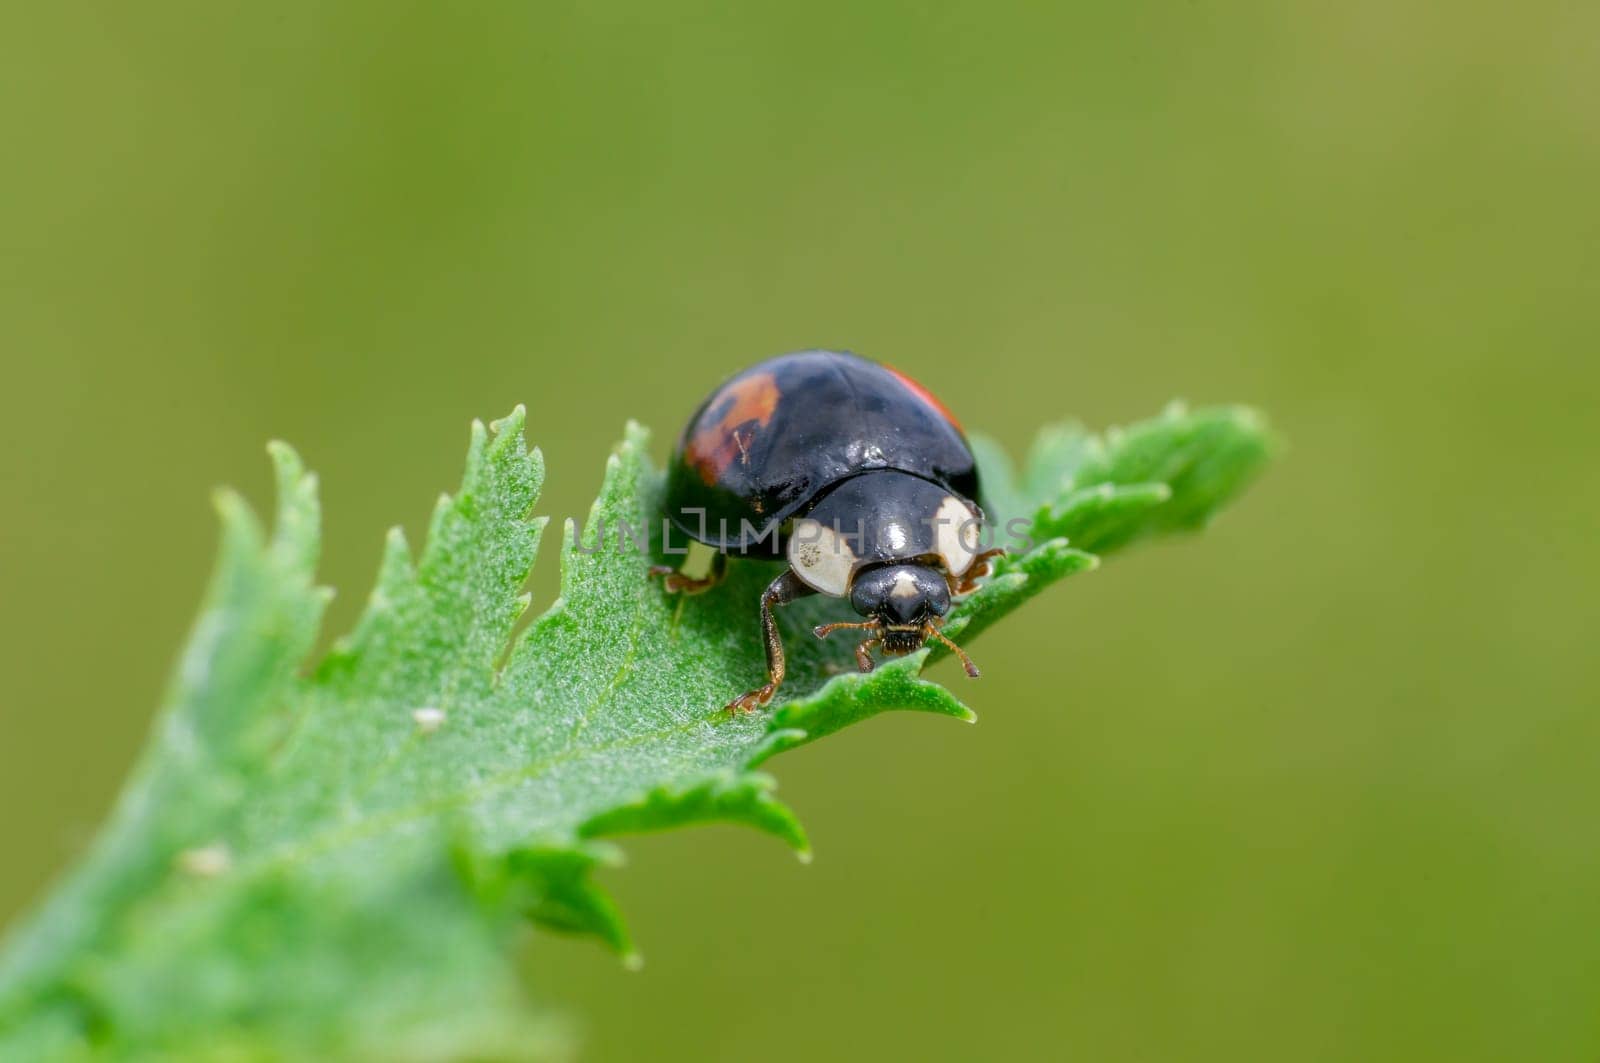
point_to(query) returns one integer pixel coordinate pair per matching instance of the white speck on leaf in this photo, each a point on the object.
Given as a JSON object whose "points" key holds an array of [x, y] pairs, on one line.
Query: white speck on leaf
{"points": [[207, 861]]}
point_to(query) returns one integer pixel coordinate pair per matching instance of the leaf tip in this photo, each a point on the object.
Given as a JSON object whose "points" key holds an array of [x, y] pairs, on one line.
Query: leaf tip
{"points": [[230, 505], [742, 797], [850, 697], [285, 458], [512, 422], [635, 434]]}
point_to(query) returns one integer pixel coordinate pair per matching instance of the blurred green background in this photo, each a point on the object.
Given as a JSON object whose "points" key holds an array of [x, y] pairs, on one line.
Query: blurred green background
{"points": [[1319, 784]]}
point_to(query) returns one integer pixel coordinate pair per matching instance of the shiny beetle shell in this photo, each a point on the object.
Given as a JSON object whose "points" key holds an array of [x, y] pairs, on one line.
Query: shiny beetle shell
{"points": [[771, 439]]}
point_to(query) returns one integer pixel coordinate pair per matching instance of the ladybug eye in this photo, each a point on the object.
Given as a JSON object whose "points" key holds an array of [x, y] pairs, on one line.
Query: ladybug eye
{"points": [[821, 557], [956, 535]]}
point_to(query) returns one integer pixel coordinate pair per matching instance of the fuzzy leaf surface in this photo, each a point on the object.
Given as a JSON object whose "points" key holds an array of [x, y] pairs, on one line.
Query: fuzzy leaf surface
{"points": [[330, 859]]}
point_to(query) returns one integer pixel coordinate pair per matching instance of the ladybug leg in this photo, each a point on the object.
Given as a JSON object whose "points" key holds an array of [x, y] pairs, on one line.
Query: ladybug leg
{"points": [[967, 582], [786, 588], [864, 652], [864, 648], [675, 581]]}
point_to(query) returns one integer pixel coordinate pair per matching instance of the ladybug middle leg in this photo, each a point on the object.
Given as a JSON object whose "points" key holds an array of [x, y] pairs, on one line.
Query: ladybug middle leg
{"points": [[786, 588], [679, 581]]}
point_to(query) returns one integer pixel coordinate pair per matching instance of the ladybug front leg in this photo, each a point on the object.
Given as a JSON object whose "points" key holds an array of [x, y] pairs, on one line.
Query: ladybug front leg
{"points": [[967, 582], [865, 646], [864, 650], [786, 588]]}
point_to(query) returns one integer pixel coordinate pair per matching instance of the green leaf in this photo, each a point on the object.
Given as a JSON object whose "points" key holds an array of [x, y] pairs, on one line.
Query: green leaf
{"points": [[331, 862]]}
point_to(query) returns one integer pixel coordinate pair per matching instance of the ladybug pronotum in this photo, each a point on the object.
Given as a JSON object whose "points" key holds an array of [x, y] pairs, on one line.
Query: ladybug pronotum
{"points": [[851, 472]]}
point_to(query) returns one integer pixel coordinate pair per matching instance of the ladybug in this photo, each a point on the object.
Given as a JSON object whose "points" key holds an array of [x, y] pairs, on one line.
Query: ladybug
{"points": [[852, 473]]}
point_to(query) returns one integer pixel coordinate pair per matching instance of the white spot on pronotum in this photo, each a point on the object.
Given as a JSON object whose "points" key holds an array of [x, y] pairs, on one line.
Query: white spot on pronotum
{"points": [[428, 719], [893, 538], [207, 861], [956, 534], [821, 557]]}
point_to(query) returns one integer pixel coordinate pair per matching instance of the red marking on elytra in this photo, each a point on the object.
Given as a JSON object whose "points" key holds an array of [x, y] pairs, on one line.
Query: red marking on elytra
{"points": [[716, 445], [926, 396]]}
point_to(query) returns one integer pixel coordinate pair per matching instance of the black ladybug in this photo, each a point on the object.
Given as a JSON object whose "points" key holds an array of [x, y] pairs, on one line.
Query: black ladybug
{"points": [[852, 472]]}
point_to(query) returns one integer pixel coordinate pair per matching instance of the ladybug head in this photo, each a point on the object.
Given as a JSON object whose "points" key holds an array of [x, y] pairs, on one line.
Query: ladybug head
{"points": [[904, 605], [904, 600]]}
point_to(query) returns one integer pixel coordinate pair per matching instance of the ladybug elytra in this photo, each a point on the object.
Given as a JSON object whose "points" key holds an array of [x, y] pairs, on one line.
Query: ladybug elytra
{"points": [[851, 472]]}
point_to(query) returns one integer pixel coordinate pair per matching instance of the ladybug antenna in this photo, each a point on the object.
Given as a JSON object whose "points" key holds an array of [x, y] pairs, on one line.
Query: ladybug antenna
{"points": [[966, 662]]}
